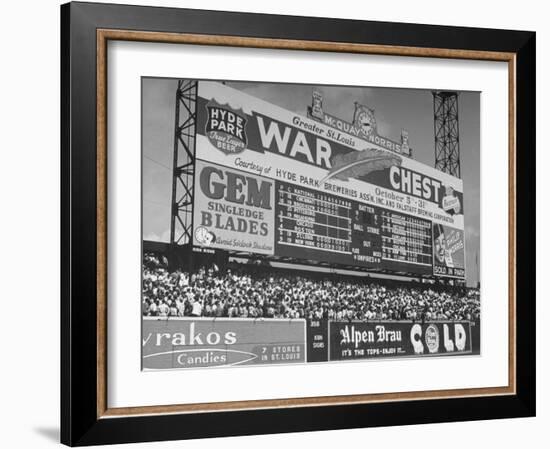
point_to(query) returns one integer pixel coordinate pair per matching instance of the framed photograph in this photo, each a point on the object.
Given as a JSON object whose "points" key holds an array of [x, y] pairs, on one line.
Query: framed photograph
{"points": [[280, 224]]}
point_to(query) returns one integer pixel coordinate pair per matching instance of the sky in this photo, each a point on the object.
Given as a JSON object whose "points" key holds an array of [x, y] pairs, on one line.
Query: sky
{"points": [[395, 109]]}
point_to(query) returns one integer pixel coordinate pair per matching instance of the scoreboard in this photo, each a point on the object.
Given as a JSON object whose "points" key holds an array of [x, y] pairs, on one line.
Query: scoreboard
{"points": [[272, 182], [310, 219], [406, 238], [319, 226]]}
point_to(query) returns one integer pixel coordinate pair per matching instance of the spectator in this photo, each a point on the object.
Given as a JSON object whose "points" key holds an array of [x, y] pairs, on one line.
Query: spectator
{"points": [[260, 292]]}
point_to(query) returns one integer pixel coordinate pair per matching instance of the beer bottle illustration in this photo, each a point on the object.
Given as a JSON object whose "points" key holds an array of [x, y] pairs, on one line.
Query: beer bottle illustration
{"points": [[441, 251]]}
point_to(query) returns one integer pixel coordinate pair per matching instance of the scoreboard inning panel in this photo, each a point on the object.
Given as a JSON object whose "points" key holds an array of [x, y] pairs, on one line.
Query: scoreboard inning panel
{"points": [[307, 218], [323, 227]]}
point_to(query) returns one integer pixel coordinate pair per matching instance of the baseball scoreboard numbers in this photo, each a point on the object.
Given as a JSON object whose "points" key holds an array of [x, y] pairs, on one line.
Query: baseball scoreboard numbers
{"points": [[272, 182], [312, 219], [189, 342], [329, 228]]}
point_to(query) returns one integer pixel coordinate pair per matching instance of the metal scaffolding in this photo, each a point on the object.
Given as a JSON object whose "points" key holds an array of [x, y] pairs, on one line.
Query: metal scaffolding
{"points": [[447, 144], [181, 225]]}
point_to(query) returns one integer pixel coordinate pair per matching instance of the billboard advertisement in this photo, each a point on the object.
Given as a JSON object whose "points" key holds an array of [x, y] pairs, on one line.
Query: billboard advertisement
{"points": [[360, 340], [233, 210], [217, 342], [334, 195], [448, 246], [209, 342]]}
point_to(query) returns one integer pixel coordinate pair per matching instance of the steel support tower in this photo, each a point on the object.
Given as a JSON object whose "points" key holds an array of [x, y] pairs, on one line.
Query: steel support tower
{"points": [[183, 175], [447, 143]]}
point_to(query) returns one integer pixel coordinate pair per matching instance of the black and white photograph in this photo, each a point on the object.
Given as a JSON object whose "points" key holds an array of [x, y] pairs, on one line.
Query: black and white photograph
{"points": [[275, 224], [295, 224]]}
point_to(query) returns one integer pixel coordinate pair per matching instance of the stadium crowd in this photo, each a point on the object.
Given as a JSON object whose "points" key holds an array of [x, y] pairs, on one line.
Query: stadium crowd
{"points": [[256, 292]]}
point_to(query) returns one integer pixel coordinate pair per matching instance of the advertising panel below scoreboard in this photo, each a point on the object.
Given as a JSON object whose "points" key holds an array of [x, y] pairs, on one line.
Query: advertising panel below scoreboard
{"points": [[362, 340], [209, 342], [206, 342]]}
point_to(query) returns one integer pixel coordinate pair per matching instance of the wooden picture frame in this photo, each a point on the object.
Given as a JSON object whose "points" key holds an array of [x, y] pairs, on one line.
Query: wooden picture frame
{"points": [[85, 417]]}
